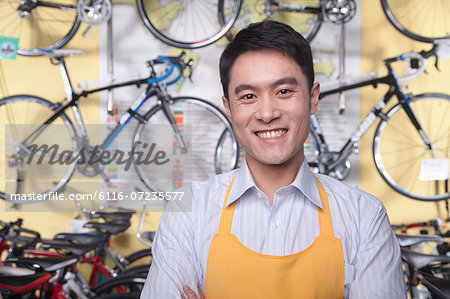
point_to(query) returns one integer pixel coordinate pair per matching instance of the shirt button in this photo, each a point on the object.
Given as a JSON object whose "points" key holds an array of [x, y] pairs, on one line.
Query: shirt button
{"points": [[275, 225], [259, 195]]}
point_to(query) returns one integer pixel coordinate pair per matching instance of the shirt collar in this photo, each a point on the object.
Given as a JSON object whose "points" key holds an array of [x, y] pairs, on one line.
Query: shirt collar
{"points": [[303, 182]]}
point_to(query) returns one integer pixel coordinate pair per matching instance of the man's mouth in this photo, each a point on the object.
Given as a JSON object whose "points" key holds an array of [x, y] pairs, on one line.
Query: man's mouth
{"points": [[271, 133]]}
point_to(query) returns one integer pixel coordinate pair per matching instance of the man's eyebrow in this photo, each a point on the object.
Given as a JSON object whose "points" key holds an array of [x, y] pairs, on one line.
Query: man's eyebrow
{"points": [[285, 80], [242, 87]]}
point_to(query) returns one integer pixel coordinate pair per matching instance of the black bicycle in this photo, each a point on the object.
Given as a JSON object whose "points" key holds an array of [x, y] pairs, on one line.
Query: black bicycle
{"points": [[411, 145]]}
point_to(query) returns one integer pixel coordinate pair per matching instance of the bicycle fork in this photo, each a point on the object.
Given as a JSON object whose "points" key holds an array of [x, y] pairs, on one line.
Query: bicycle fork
{"points": [[404, 101], [176, 130]]}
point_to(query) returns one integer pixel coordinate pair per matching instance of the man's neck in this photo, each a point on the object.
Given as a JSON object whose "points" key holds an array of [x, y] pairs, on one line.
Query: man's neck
{"points": [[270, 178]]}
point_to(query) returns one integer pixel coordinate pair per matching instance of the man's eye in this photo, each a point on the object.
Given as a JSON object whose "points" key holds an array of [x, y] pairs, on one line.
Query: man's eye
{"points": [[248, 97], [284, 91]]}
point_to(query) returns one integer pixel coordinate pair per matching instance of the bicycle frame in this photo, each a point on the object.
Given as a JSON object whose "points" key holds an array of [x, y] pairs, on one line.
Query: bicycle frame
{"points": [[153, 89], [395, 89]]}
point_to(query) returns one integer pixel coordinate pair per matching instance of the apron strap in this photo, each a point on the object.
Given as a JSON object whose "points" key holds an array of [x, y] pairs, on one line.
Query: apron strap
{"points": [[227, 214], [326, 228]]}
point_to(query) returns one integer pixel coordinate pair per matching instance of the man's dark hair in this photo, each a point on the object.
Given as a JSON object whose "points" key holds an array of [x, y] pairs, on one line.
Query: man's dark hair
{"points": [[267, 35]]}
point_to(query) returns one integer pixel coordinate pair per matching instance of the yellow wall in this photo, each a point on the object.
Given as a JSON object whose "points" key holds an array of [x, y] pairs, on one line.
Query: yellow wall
{"points": [[379, 40]]}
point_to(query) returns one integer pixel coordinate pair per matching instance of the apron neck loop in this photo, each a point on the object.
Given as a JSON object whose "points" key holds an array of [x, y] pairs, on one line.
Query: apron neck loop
{"points": [[326, 228], [227, 213]]}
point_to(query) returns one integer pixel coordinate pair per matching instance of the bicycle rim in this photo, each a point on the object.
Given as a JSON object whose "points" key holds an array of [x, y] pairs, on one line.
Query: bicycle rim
{"points": [[38, 26], [188, 24], [424, 21], [25, 170], [399, 150], [305, 23], [202, 124]]}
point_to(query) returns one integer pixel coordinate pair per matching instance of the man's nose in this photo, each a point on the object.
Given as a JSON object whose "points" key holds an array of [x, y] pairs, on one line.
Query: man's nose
{"points": [[268, 110]]}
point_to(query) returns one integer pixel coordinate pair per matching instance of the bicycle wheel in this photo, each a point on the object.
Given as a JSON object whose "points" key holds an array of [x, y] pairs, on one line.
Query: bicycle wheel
{"points": [[123, 284], [306, 21], [33, 167], [39, 24], [204, 124], [138, 261], [424, 21], [188, 24], [399, 151]]}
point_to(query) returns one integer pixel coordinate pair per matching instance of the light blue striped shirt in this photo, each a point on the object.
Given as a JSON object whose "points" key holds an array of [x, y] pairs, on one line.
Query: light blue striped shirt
{"points": [[371, 252]]}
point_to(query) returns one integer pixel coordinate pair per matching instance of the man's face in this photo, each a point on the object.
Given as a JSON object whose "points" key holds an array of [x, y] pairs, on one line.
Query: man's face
{"points": [[269, 106]]}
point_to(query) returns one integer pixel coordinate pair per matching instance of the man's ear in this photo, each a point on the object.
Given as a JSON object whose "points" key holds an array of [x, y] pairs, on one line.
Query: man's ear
{"points": [[315, 92], [226, 104]]}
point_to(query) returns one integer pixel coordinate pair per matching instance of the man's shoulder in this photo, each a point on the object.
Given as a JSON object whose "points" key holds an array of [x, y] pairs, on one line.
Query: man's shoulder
{"points": [[348, 196]]}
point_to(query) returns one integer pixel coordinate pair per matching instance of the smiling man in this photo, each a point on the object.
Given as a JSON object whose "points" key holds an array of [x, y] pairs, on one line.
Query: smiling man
{"points": [[272, 229]]}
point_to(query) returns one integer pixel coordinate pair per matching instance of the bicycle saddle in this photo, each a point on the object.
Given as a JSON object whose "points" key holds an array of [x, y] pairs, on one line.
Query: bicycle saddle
{"points": [[420, 260], [114, 227], [114, 216], [14, 271], [23, 284], [75, 249], [410, 240], [48, 264], [439, 287], [85, 238]]}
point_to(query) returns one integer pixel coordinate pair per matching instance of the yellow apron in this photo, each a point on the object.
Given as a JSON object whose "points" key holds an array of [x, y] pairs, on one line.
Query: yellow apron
{"points": [[233, 271]]}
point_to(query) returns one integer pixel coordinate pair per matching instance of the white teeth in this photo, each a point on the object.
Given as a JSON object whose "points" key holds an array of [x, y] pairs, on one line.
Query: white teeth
{"points": [[271, 134]]}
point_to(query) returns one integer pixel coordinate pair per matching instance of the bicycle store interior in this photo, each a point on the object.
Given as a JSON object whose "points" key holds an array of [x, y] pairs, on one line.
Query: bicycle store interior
{"points": [[369, 38]]}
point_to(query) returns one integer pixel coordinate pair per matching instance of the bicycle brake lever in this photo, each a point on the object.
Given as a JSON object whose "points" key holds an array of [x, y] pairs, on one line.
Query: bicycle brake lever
{"points": [[189, 64], [436, 63]]}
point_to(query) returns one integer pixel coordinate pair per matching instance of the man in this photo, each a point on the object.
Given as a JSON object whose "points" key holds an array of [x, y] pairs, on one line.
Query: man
{"points": [[272, 229]]}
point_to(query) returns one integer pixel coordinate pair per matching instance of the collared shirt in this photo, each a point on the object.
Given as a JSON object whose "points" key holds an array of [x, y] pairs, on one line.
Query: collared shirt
{"points": [[371, 252]]}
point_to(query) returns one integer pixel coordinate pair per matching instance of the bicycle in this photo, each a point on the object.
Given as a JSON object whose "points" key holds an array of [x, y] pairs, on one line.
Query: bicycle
{"points": [[21, 243], [423, 21], [203, 123], [409, 137], [305, 16], [51, 24], [35, 279]]}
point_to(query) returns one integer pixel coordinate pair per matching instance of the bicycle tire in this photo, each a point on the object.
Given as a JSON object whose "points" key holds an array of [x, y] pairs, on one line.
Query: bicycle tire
{"points": [[39, 25], [207, 123], [419, 20], [182, 23], [25, 111], [136, 259], [124, 284], [398, 149], [307, 24]]}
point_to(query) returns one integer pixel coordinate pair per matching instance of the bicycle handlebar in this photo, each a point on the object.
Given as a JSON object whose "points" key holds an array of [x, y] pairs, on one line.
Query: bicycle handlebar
{"points": [[412, 59], [172, 62], [418, 60]]}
